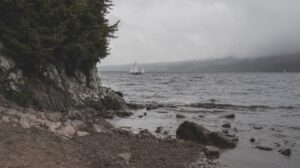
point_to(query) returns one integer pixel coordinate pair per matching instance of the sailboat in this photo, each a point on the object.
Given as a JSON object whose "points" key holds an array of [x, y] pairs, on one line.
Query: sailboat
{"points": [[135, 70]]}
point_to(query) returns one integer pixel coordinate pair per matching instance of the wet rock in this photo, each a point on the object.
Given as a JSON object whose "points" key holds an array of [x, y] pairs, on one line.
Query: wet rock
{"points": [[109, 116], [126, 157], [286, 152], [122, 132], [257, 127], [135, 106], [277, 144], [231, 135], [235, 130], [145, 134], [166, 132], [158, 130], [226, 125], [212, 152], [252, 140], [157, 106], [123, 114], [162, 112], [118, 93], [222, 141], [169, 139], [204, 105], [152, 107], [229, 116], [179, 116], [193, 132], [225, 131], [264, 148]]}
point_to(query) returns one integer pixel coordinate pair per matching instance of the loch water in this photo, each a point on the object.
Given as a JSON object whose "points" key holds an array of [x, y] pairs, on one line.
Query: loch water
{"points": [[270, 101]]}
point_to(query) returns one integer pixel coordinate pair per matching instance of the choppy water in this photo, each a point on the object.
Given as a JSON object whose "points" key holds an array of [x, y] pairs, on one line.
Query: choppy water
{"points": [[270, 100]]}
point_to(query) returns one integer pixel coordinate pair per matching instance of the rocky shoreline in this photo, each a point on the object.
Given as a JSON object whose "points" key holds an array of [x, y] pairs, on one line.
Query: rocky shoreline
{"points": [[35, 139], [56, 120]]}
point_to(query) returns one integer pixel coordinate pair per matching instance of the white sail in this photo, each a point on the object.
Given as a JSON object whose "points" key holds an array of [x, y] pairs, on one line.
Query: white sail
{"points": [[136, 70]]}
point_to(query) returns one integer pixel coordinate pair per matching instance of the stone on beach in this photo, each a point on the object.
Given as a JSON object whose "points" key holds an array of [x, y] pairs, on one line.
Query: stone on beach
{"points": [[24, 123], [158, 130], [226, 125], [229, 116], [145, 134], [225, 131], [53, 116], [124, 114], [66, 131], [193, 132], [257, 127], [77, 124], [179, 116], [212, 152], [5, 119], [82, 133], [98, 128], [264, 148], [286, 152]]}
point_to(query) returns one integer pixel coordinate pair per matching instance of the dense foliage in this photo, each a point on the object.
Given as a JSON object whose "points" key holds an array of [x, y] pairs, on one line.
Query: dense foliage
{"points": [[72, 33]]}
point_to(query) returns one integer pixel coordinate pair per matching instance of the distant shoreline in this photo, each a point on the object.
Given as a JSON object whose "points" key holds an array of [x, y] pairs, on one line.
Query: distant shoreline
{"points": [[288, 63]]}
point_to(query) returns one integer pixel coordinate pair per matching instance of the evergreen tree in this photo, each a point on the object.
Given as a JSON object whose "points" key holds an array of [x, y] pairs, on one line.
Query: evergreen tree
{"points": [[73, 33]]}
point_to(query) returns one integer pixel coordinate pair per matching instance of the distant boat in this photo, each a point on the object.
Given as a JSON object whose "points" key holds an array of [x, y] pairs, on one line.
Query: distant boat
{"points": [[136, 70]]}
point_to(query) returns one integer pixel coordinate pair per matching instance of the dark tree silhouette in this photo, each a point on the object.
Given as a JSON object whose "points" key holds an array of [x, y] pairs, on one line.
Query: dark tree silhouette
{"points": [[69, 33]]}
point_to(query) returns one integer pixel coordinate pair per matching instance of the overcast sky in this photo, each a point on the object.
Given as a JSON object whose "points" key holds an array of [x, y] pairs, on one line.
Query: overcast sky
{"points": [[175, 30]]}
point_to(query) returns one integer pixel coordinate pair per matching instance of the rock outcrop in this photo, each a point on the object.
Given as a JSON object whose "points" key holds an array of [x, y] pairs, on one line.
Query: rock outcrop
{"points": [[193, 132], [54, 90]]}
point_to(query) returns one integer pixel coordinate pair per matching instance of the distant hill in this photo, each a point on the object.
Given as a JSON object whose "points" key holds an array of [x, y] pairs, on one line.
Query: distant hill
{"points": [[260, 64]]}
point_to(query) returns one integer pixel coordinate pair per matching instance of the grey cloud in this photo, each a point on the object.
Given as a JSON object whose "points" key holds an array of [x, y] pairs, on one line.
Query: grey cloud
{"points": [[174, 30]]}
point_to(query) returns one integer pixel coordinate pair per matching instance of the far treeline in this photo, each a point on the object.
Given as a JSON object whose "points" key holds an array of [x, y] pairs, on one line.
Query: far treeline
{"points": [[73, 34], [278, 63]]}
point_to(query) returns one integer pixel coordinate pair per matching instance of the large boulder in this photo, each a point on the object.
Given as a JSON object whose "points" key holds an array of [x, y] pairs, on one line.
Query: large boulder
{"points": [[193, 132]]}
